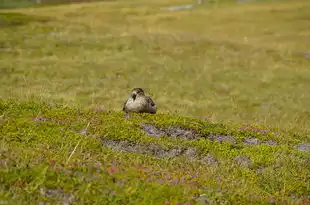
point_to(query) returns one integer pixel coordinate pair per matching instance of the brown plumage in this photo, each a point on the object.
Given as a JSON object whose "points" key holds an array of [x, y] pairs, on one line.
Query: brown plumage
{"points": [[139, 102]]}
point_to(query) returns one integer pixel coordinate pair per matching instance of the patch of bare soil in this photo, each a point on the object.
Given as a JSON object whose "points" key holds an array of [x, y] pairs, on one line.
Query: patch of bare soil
{"points": [[191, 134], [158, 150], [41, 119], [304, 147], [178, 132], [58, 194], [222, 138], [255, 141], [183, 133]]}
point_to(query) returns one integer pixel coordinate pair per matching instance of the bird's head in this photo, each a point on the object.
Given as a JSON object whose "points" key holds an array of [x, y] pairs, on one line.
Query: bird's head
{"points": [[137, 92]]}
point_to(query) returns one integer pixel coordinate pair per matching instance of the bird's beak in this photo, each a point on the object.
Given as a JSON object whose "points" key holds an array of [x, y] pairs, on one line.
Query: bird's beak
{"points": [[134, 96]]}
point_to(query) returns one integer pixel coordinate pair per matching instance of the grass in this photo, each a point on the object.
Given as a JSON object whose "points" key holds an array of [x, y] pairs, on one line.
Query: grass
{"points": [[6, 4], [243, 63], [61, 154], [231, 63]]}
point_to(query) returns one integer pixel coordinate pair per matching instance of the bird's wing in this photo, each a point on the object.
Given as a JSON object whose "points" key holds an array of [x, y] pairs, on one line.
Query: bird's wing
{"points": [[125, 104], [150, 101]]}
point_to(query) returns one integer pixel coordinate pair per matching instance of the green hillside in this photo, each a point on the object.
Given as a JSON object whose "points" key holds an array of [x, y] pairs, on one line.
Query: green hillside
{"points": [[65, 155], [5, 4], [231, 82]]}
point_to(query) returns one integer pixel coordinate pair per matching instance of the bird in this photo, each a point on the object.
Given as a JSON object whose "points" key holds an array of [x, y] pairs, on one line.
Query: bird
{"points": [[140, 103]]}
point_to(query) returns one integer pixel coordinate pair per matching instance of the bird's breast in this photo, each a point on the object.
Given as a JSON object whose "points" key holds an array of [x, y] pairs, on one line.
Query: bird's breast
{"points": [[135, 104]]}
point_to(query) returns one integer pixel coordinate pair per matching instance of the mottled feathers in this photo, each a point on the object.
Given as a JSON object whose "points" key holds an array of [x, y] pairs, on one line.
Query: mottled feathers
{"points": [[138, 102]]}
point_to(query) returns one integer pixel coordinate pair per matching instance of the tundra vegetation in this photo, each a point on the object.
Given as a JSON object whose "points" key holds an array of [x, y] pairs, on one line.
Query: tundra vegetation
{"points": [[231, 81]]}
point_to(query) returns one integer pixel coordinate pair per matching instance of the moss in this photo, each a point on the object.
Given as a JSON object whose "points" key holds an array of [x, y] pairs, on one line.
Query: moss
{"points": [[55, 152]]}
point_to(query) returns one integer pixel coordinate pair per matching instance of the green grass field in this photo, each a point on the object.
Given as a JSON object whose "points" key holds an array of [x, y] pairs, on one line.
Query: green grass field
{"points": [[231, 82], [6, 4]]}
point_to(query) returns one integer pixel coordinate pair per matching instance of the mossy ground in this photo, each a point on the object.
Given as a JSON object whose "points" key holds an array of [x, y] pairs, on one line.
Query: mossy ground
{"points": [[52, 153], [238, 71]]}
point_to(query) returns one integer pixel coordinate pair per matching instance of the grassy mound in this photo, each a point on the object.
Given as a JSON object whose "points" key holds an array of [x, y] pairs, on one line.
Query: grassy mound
{"points": [[52, 153], [224, 61]]}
